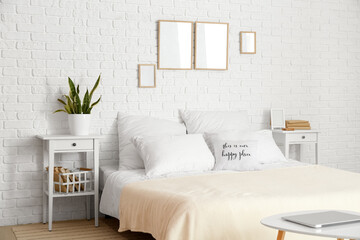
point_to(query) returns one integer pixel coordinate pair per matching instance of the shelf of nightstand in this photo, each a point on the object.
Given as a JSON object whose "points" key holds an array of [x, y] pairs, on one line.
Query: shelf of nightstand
{"points": [[72, 194]]}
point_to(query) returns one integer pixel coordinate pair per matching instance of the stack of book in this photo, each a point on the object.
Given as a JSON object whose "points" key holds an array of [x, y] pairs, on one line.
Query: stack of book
{"points": [[297, 125]]}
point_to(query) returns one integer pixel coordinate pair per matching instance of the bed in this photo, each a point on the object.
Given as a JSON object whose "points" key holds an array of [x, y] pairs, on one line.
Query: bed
{"points": [[217, 204], [229, 205], [116, 180], [104, 172]]}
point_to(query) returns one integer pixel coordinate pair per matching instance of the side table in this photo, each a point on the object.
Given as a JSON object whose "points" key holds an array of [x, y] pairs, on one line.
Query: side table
{"points": [[53, 144], [286, 138]]}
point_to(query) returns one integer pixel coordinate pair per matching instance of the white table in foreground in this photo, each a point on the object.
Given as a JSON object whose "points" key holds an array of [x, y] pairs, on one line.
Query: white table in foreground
{"points": [[69, 144], [344, 231]]}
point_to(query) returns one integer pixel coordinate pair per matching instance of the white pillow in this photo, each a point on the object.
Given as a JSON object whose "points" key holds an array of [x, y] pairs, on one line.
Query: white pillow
{"points": [[174, 154], [235, 155], [214, 122], [130, 126], [267, 150]]}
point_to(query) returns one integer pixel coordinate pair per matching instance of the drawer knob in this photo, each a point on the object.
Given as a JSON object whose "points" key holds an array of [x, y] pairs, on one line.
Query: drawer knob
{"points": [[74, 144], [303, 137]]}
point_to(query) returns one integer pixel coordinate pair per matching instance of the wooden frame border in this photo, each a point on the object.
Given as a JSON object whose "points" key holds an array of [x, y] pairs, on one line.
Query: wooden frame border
{"points": [[139, 82], [192, 45], [227, 47], [241, 43]]}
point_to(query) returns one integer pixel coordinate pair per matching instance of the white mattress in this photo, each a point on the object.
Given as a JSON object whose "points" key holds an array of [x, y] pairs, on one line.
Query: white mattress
{"points": [[105, 172], [115, 182]]}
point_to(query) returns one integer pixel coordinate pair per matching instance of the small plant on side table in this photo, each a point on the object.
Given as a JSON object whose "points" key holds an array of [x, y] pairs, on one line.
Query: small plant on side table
{"points": [[79, 112]]}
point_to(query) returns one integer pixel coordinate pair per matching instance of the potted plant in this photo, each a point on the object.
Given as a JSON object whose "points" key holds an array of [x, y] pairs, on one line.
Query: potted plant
{"points": [[79, 114]]}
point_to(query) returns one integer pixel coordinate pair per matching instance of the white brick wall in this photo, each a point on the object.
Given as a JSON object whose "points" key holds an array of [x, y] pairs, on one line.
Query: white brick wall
{"points": [[307, 61]]}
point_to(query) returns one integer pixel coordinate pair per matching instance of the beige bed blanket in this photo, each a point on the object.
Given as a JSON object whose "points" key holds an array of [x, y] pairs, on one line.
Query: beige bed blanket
{"points": [[230, 205]]}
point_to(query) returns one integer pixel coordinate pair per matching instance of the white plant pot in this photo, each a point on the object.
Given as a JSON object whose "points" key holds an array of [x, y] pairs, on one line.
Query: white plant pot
{"points": [[79, 124]]}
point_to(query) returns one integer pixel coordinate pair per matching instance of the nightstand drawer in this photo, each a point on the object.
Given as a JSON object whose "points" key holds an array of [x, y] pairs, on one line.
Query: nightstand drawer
{"points": [[302, 137], [68, 145]]}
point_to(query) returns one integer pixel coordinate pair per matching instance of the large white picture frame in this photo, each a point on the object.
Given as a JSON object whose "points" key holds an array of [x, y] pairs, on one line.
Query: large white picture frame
{"points": [[211, 45], [175, 45]]}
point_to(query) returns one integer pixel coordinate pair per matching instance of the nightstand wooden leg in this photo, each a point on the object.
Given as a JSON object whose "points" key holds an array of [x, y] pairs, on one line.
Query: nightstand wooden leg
{"points": [[281, 235]]}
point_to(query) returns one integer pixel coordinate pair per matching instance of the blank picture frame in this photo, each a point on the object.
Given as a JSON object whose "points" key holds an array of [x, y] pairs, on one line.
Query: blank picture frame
{"points": [[277, 118], [147, 75], [248, 42], [175, 45], [211, 45]]}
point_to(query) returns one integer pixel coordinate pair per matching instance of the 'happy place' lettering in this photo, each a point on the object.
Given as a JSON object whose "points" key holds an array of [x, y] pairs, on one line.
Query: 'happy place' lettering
{"points": [[235, 151]]}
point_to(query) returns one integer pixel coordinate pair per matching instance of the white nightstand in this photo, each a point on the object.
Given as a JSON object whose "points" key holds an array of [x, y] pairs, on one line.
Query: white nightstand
{"points": [[66, 144], [285, 138]]}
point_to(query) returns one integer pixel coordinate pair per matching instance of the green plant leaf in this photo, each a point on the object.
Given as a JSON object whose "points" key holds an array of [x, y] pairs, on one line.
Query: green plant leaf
{"points": [[86, 102], [92, 105], [61, 101], [68, 110], [78, 89], [77, 104], [95, 87], [59, 110], [70, 95], [72, 88], [70, 104]]}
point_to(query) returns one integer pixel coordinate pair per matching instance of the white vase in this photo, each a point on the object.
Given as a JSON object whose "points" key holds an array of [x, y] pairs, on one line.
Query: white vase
{"points": [[79, 124]]}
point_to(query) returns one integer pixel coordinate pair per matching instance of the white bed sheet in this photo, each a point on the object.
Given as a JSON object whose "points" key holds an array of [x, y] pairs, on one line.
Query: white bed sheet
{"points": [[110, 198], [104, 172]]}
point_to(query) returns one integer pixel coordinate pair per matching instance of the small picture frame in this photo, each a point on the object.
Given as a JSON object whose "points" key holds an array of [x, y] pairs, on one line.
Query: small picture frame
{"points": [[277, 118], [248, 42], [147, 75]]}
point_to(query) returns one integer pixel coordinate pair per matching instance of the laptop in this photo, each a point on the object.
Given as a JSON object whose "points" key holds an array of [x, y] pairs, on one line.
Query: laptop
{"points": [[323, 219]]}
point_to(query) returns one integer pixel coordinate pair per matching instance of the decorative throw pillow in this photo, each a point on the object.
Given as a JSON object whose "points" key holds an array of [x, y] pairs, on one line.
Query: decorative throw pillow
{"points": [[130, 126], [174, 154], [235, 155], [267, 150], [214, 122]]}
